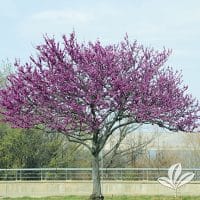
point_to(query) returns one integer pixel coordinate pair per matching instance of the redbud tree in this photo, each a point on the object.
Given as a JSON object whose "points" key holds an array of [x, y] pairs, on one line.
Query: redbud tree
{"points": [[88, 91]]}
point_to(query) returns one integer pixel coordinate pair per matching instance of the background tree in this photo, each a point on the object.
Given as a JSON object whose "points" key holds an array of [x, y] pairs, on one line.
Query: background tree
{"points": [[26, 148], [89, 91], [164, 158], [30, 148], [190, 153], [5, 70]]}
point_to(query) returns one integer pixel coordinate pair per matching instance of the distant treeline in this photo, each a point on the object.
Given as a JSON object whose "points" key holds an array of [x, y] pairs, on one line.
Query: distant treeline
{"points": [[32, 148]]}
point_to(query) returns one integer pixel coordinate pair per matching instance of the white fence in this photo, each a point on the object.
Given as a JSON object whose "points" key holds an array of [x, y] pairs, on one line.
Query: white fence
{"points": [[129, 174]]}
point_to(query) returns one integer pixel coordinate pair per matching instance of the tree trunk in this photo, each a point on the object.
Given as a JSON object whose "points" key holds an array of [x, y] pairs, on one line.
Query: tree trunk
{"points": [[96, 194]]}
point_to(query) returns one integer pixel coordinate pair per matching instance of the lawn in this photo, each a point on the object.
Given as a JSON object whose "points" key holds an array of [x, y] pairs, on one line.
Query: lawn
{"points": [[113, 198]]}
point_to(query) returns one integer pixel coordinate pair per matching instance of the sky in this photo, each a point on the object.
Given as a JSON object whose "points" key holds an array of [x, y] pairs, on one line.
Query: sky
{"points": [[173, 24]]}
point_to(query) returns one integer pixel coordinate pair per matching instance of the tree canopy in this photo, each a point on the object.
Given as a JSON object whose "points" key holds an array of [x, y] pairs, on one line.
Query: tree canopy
{"points": [[73, 86]]}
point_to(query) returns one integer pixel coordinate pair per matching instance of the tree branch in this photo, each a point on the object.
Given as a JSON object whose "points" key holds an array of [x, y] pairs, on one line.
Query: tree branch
{"points": [[69, 137], [78, 141], [116, 146], [106, 136]]}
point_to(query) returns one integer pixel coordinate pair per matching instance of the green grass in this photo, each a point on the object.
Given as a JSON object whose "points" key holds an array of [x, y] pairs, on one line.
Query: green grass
{"points": [[113, 198]]}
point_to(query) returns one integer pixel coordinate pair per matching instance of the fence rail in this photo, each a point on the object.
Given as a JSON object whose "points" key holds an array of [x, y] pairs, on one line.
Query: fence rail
{"points": [[42, 174]]}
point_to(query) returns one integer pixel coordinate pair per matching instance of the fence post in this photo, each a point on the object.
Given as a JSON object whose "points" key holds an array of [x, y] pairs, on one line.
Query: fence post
{"points": [[40, 175], [20, 175]]}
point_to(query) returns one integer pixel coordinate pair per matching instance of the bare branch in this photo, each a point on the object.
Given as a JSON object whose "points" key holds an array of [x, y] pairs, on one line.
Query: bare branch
{"points": [[72, 139], [69, 137], [116, 146], [106, 136]]}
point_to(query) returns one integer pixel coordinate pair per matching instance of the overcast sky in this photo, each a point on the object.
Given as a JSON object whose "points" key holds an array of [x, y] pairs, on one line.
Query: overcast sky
{"points": [[171, 23]]}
